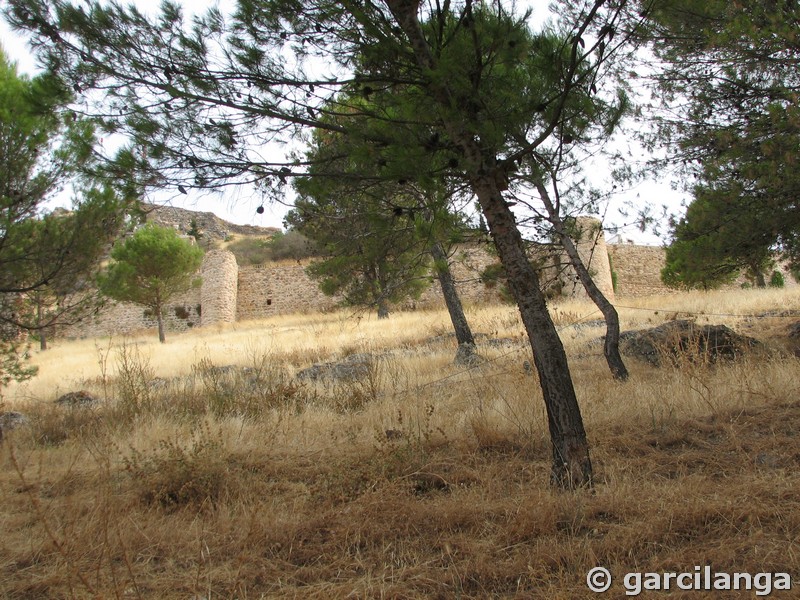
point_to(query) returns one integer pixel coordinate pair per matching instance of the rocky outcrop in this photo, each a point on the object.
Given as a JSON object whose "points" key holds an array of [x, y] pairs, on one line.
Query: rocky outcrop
{"points": [[353, 367], [209, 225], [684, 339], [11, 420], [81, 398]]}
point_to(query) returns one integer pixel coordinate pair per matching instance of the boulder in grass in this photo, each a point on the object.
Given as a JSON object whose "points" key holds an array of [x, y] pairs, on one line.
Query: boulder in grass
{"points": [[467, 356], [81, 399], [12, 420], [685, 339], [351, 368]]}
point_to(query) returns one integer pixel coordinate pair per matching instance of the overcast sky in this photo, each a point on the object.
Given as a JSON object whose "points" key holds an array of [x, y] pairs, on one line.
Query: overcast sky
{"points": [[240, 206]]}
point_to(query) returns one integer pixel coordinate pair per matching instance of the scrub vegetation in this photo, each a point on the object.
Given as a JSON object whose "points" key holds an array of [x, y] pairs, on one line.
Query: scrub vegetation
{"points": [[209, 469]]}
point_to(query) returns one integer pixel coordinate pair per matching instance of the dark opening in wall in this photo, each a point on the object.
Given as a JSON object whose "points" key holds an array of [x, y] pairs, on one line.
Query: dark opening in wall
{"points": [[269, 301]]}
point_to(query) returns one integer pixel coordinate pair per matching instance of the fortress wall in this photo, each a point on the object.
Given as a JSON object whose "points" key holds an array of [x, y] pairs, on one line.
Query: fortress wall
{"points": [[121, 318], [218, 293], [638, 269], [230, 293], [594, 254], [265, 290]]}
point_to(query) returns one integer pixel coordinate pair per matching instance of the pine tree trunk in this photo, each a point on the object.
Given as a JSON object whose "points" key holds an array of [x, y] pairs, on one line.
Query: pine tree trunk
{"points": [[451, 299], [611, 345], [761, 281], [39, 319], [161, 336], [383, 309], [572, 466]]}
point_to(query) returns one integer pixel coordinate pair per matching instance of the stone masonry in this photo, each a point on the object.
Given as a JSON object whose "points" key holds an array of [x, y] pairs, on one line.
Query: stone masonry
{"points": [[230, 293], [220, 287]]}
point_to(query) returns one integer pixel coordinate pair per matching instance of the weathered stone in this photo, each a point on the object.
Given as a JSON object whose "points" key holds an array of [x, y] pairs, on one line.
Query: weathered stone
{"points": [[588, 324], [211, 226], [74, 399], [12, 420], [353, 367], [684, 338], [467, 356], [218, 292]]}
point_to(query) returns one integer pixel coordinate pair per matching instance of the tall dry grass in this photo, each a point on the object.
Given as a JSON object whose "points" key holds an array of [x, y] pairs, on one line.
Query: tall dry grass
{"points": [[416, 479]]}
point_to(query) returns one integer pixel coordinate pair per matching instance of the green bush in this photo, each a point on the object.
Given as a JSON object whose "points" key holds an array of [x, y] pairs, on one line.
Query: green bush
{"points": [[282, 246], [776, 280], [292, 245], [492, 274], [250, 251], [614, 276]]}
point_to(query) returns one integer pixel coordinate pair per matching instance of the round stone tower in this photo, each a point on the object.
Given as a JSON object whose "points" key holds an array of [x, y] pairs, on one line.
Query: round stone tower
{"points": [[591, 245], [218, 293]]}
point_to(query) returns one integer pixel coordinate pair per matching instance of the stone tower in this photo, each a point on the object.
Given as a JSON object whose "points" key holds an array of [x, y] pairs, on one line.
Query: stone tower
{"points": [[218, 293]]}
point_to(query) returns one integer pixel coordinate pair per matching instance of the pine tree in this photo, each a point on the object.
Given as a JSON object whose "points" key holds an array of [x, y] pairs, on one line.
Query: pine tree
{"points": [[150, 268], [47, 260], [730, 84]]}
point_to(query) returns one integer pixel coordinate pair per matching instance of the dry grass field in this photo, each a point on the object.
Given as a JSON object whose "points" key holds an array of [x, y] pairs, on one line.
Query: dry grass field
{"points": [[414, 479]]}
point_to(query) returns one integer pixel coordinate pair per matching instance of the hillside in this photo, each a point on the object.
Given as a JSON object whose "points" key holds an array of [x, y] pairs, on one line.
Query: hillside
{"points": [[213, 228]]}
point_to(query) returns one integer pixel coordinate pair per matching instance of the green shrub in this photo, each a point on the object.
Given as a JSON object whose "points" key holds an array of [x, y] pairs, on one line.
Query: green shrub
{"points": [[282, 246], [492, 274], [614, 276], [250, 251], [776, 280], [292, 245]]}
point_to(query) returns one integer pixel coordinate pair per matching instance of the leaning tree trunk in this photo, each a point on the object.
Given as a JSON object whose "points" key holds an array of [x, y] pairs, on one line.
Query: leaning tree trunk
{"points": [[611, 345], [572, 466], [761, 281], [466, 343], [42, 330]]}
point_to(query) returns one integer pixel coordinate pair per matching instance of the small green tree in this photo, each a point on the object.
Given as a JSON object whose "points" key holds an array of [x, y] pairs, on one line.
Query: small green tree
{"points": [[150, 268], [194, 230], [777, 280]]}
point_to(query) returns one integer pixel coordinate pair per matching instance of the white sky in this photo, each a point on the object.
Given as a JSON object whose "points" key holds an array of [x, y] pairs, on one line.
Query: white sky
{"points": [[240, 206]]}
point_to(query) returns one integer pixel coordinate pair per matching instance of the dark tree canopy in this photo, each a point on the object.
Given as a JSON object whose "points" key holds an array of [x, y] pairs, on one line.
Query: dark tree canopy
{"points": [[372, 251], [732, 82], [47, 261]]}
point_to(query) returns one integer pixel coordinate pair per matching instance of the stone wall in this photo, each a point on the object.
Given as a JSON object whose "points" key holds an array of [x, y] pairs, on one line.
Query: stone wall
{"points": [[120, 318], [265, 290], [638, 269], [230, 293]]}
